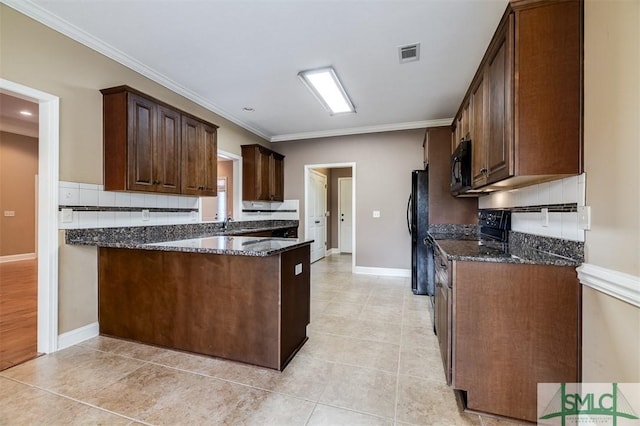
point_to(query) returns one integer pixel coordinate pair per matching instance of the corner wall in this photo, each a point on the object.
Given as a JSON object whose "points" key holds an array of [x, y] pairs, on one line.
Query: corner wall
{"points": [[611, 327]]}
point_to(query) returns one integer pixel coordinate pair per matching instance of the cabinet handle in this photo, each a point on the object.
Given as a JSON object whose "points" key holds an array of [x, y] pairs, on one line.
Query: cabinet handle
{"points": [[484, 170]]}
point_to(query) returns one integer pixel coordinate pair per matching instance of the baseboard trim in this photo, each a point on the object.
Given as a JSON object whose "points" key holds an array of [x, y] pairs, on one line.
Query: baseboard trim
{"points": [[78, 335], [383, 272], [17, 257], [625, 287], [333, 251]]}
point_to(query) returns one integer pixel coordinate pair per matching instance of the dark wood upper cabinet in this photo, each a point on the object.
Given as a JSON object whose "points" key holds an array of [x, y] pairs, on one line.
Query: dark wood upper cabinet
{"points": [[262, 174], [152, 147], [524, 103], [199, 165], [497, 145], [168, 148]]}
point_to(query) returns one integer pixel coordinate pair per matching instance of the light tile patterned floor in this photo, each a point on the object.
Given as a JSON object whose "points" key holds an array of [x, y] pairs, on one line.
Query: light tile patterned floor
{"points": [[371, 359]]}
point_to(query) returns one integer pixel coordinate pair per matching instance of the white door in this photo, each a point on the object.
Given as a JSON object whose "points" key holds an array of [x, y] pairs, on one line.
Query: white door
{"points": [[316, 214], [345, 225]]}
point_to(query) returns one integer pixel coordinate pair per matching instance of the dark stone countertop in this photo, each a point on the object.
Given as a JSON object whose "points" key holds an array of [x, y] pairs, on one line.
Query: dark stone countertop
{"points": [[228, 245], [196, 238], [466, 247]]}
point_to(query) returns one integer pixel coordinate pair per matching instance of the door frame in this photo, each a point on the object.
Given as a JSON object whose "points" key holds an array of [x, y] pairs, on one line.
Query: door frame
{"points": [[303, 216], [47, 222], [340, 209]]}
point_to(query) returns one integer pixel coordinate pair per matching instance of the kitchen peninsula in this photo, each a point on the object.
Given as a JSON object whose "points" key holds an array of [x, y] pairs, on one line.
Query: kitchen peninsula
{"points": [[243, 298]]}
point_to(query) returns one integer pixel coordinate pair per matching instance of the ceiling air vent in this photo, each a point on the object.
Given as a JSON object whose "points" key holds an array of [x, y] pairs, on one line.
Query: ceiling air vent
{"points": [[409, 53]]}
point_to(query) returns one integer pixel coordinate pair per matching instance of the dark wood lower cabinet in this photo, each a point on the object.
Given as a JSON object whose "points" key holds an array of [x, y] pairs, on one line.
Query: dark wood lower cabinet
{"points": [[248, 309], [514, 326]]}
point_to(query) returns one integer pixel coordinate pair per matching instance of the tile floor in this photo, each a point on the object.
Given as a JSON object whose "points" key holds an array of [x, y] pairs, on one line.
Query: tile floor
{"points": [[371, 359]]}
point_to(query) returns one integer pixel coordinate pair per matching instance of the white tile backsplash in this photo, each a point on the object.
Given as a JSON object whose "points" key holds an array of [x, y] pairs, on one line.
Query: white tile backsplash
{"points": [[562, 191], [123, 199], [91, 195], [106, 199], [137, 200], [88, 197], [69, 196]]}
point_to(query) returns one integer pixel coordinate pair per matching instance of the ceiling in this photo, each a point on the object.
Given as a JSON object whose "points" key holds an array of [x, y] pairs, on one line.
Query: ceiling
{"points": [[230, 54], [11, 119]]}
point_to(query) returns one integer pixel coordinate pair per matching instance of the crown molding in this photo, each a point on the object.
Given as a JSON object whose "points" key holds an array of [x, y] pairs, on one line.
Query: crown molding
{"points": [[36, 12], [361, 130]]}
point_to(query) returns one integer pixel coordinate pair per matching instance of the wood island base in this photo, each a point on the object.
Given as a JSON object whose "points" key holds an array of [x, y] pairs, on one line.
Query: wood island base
{"points": [[243, 308]]}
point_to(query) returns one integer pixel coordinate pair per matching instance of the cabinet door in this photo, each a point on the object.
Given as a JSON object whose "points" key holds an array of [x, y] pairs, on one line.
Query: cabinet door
{"points": [[465, 120], [276, 184], [263, 174], [478, 142], [167, 151], [199, 166], [210, 158], [191, 152], [141, 133], [499, 113]]}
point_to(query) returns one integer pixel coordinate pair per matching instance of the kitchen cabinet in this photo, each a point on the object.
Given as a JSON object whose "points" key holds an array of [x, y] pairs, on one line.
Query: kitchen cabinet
{"points": [[443, 308], [199, 163], [478, 177], [512, 326], [251, 309], [262, 174], [524, 103], [148, 146]]}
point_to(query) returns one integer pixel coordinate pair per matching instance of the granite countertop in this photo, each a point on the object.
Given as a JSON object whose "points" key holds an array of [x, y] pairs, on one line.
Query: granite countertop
{"points": [[205, 237], [229, 245], [468, 248]]}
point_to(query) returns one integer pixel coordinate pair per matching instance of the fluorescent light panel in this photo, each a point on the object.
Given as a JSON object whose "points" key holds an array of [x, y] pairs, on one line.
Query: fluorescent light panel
{"points": [[324, 84]]}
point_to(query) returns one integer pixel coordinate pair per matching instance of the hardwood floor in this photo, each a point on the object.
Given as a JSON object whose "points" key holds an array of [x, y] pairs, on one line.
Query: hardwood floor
{"points": [[18, 312]]}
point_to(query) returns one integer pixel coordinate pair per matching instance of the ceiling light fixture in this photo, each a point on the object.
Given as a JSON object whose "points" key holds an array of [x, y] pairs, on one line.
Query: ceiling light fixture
{"points": [[326, 87], [27, 113]]}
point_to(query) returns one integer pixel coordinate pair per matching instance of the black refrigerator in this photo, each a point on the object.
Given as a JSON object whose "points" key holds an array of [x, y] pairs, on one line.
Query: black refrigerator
{"points": [[418, 224]]}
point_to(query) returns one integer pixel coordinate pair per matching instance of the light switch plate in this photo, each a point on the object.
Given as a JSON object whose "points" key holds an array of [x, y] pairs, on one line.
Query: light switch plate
{"points": [[67, 215], [298, 269], [9, 213], [376, 213], [584, 218], [544, 217]]}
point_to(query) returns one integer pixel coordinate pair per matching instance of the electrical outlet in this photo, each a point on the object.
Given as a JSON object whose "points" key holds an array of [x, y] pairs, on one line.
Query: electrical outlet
{"points": [[146, 215], [298, 269], [376, 213], [544, 216], [67, 215], [584, 218]]}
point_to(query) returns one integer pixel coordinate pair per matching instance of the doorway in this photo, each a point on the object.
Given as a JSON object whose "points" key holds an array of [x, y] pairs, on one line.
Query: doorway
{"points": [[47, 211], [18, 261], [333, 171]]}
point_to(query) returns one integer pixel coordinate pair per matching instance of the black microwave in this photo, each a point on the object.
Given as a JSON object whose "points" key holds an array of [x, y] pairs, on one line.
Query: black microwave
{"points": [[461, 168]]}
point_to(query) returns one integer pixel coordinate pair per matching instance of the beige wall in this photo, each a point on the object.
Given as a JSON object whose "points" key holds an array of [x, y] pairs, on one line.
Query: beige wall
{"points": [[611, 328], [33, 55], [383, 182], [18, 169]]}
